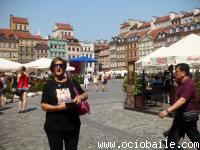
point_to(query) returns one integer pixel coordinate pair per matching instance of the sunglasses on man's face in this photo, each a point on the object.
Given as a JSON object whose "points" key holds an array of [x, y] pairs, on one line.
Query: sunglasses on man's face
{"points": [[58, 65]]}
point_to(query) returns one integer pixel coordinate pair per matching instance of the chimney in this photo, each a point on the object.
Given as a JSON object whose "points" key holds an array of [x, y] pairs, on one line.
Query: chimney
{"points": [[11, 23]]}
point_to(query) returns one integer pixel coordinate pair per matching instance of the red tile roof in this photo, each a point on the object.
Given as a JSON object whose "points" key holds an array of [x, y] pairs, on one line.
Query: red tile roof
{"points": [[155, 32], [162, 19], [145, 25], [26, 35], [131, 34], [62, 26], [176, 18], [142, 33], [101, 46], [123, 34], [187, 15], [125, 25], [134, 26], [37, 37], [20, 20], [7, 32]]}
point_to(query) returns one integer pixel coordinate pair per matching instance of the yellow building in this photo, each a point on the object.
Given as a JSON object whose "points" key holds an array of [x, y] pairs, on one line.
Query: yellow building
{"points": [[8, 45], [20, 26]]}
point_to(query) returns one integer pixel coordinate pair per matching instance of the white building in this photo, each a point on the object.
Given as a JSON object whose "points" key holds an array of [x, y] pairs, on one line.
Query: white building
{"points": [[87, 50]]}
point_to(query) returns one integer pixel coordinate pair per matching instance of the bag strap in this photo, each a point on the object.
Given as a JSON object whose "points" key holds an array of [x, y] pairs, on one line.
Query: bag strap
{"points": [[74, 88]]}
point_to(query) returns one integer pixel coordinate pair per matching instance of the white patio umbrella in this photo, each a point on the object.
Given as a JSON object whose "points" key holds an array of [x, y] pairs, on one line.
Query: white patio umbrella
{"points": [[41, 63], [8, 64], [146, 60], [187, 50]]}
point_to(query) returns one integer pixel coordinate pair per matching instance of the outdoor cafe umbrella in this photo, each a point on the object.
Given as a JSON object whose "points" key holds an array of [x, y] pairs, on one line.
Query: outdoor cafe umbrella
{"points": [[146, 60], [82, 59], [8, 64], [187, 50], [39, 63]]}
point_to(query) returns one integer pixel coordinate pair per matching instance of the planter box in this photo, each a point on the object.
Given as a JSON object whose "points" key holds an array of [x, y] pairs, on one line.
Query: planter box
{"points": [[138, 101]]}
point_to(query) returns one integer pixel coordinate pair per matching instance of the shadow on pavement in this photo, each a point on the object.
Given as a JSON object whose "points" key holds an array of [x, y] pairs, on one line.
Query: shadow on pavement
{"points": [[31, 109], [4, 108]]}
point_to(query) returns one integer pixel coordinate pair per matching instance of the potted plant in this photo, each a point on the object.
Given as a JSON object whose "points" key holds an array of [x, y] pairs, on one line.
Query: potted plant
{"points": [[125, 83], [138, 91]]}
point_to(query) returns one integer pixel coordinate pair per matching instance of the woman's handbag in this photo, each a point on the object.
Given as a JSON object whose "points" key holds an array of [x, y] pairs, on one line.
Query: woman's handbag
{"points": [[190, 116], [84, 107]]}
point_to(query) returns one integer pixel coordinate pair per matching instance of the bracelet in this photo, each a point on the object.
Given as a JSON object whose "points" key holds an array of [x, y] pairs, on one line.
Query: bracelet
{"points": [[167, 111]]}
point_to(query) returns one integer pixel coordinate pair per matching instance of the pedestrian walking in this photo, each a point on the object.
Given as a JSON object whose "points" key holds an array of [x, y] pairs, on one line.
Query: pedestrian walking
{"points": [[60, 102], [13, 86], [86, 81], [23, 81], [186, 115], [95, 81], [3, 89], [104, 82]]}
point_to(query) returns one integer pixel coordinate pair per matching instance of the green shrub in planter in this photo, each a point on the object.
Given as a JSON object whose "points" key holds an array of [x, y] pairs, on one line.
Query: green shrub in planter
{"points": [[125, 83], [138, 85], [37, 86]]}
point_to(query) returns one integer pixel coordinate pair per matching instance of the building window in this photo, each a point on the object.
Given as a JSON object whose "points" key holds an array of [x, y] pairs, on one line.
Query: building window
{"points": [[177, 29], [15, 26], [69, 48], [192, 27], [198, 26], [185, 28], [20, 27]]}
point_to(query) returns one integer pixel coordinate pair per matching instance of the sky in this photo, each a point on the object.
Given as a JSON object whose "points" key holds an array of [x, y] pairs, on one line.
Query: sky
{"points": [[91, 19]]}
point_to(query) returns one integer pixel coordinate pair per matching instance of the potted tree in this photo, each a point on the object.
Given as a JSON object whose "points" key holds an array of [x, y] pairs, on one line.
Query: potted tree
{"points": [[138, 91]]}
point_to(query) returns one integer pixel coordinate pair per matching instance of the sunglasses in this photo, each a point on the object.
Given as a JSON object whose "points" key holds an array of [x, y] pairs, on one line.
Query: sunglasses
{"points": [[58, 65]]}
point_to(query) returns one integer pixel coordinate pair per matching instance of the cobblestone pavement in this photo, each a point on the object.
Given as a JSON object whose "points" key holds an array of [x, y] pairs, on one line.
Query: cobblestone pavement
{"points": [[107, 122]]}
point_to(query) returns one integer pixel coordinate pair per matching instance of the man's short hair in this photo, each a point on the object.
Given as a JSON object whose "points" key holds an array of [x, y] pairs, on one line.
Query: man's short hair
{"points": [[184, 67]]}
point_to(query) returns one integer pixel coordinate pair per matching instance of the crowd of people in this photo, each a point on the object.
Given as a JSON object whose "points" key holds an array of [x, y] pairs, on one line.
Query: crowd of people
{"points": [[166, 83]]}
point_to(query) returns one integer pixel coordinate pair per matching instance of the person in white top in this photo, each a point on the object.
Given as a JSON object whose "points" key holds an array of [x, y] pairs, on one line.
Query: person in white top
{"points": [[86, 81], [95, 81], [104, 82]]}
